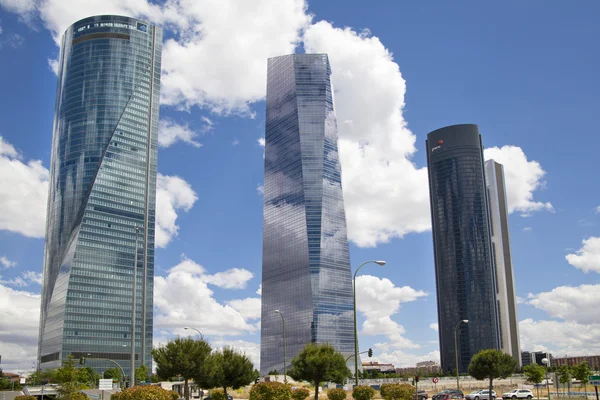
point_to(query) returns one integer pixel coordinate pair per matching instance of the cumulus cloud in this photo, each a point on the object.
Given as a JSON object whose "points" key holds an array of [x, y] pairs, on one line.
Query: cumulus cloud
{"points": [[523, 178], [261, 141], [172, 194], [434, 326], [19, 319], [170, 132], [251, 349], [6, 263], [23, 193], [587, 258], [402, 358], [183, 298], [560, 337], [380, 299], [249, 307], [260, 190], [259, 290], [578, 304], [385, 194], [27, 278]]}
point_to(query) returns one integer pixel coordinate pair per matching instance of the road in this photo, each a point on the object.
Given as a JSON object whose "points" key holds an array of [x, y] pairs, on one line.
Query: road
{"points": [[9, 395]]}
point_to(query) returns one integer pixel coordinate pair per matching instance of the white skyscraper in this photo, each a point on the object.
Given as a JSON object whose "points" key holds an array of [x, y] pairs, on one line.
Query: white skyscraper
{"points": [[506, 297]]}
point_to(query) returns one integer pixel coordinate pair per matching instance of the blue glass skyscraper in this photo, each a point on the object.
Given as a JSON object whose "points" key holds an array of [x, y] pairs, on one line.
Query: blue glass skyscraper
{"points": [[102, 186], [306, 266]]}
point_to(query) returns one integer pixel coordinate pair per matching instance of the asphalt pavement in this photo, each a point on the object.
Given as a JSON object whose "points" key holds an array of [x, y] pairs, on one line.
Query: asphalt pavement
{"points": [[9, 395]]}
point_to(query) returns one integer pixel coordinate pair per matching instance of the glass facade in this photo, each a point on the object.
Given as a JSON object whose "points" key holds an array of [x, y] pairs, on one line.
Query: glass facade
{"points": [[464, 266], [507, 299], [306, 264], [102, 185]]}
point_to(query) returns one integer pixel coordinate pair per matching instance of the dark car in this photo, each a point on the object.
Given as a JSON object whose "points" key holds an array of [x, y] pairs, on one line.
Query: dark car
{"points": [[449, 394], [420, 395]]}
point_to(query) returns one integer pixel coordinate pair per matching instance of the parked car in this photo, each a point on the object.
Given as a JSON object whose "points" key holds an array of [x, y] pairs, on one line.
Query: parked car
{"points": [[448, 394], [229, 397], [518, 394], [481, 395], [420, 395]]}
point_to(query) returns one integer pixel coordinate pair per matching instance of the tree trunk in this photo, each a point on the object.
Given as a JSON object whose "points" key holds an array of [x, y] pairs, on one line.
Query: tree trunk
{"points": [[317, 390], [585, 390], [225, 392], [491, 385], [538, 390], [186, 390]]}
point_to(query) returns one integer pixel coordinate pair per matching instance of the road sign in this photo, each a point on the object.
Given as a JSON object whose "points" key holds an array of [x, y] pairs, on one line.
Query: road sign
{"points": [[435, 380], [594, 380], [105, 384]]}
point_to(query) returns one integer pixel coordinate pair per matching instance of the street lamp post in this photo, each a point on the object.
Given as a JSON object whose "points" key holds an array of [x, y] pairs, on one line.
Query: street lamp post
{"points": [[463, 321], [133, 295], [547, 363], [284, 345], [199, 333], [355, 331]]}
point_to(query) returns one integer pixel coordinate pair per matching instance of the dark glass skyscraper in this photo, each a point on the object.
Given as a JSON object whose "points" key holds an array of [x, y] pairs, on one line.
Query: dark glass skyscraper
{"points": [[464, 266], [102, 186], [306, 265]]}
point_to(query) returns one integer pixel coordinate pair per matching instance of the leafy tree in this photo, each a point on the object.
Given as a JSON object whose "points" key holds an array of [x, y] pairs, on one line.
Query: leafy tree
{"points": [[87, 375], [141, 374], [155, 378], [273, 372], [112, 373], [319, 363], [564, 376], [491, 364], [183, 357], [68, 377], [581, 372], [144, 393], [226, 368], [25, 397], [535, 374]]}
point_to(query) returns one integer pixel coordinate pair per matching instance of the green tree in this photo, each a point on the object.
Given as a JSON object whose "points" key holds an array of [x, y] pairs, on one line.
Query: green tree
{"points": [[491, 364], [564, 376], [226, 368], [68, 378], [273, 372], [156, 379], [183, 357], [141, 374], [87, 376], [112, 373], [581, 372], [535, 374], [319, 363]]}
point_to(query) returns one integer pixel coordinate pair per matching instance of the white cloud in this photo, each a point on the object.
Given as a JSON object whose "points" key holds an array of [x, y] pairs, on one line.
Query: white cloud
{"points": [[434, 326], [183, 298], [260, 190], [379, 299], [577, 304], [23, 193], [6, 263], [53, 65], [249, 307], [26, 279], [402, 359], [251, 349], [234, 278], [172, 194], [19, 319], [523, 178], [170, 132], [259, 290], [261, 142], [587, 258], [385, 194], [22, 7], [560, 337], [527, 229], [598, 210]]}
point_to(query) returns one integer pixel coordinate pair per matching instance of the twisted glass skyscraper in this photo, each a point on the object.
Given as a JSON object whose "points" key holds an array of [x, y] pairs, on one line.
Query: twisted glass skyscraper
{"points": [[102, 186], [306, 266]]}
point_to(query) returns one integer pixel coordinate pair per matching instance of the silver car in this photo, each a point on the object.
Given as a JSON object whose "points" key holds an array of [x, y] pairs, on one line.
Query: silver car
{"points": [[518, 394], [480, 395]]}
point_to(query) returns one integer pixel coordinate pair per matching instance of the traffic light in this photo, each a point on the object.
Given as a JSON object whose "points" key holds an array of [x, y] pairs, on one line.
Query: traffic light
{"points": [[417, 378], [370, 353], [82, 360]]}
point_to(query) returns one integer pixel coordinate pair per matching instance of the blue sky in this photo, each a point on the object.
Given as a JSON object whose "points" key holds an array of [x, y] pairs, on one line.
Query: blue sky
{"points": [[525, 72]]}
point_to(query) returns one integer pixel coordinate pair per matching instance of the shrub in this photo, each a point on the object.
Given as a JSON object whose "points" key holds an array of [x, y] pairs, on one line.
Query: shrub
{"points": [[174, 395], [397, 391], [270, 391], [144, 393], [25, 397], [76, 396], [300, 394], [218, 394], [363, 393], [336, 394]]}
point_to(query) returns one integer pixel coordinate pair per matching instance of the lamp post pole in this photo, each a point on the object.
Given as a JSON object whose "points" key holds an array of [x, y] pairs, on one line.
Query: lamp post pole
{"points": [[355, 331], [465, 321], [199, 333], [133, 295], [284, 345], [546, 362]]}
